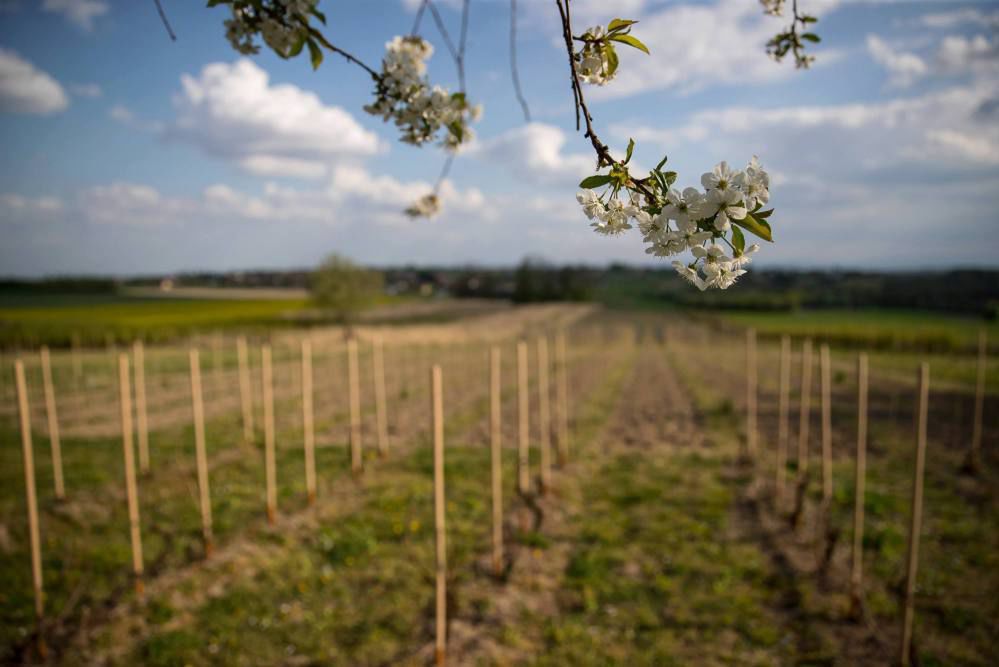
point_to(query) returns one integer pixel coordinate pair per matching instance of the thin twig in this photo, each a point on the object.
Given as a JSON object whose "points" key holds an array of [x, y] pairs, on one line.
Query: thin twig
{"points": [[166, 23], [514, 74], [442, 29], [604, 157], [419, 18], [335, 49]]}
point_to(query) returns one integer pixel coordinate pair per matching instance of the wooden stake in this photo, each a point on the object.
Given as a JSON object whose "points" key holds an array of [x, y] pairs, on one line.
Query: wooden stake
{"points": [[782, 425], [857, 566], [523, 432], [131, 489], [378, 366], [245, 389], [142, 421], [805, 406], [356, 462], [437, 408], [197, 406], [53, 422], [917, 516], [562, 397], [826, 388], [976, 432], [496, 455], [29, 487], [267, 381], [308, 427], [544, 415], [751, 381]]}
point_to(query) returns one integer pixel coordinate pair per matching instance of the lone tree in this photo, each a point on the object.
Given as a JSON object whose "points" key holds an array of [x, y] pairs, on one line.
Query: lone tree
{"points": [[710, 222], [342, 288]]}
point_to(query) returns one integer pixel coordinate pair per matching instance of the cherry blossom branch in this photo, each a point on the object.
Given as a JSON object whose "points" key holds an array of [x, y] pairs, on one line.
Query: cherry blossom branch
{"points": [[514, 73], [166, 23], [604, 157]]}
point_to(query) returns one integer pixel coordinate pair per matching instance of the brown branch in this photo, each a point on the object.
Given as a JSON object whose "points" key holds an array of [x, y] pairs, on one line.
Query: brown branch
{"points": [[514, 73], [337, 50], [604, 157], [166, 23]]}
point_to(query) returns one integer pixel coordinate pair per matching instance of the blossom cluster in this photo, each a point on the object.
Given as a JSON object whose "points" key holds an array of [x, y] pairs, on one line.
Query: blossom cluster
{"points": [[708, 223], [283, 25], [403, 94], [426, 206], [597, 62]]}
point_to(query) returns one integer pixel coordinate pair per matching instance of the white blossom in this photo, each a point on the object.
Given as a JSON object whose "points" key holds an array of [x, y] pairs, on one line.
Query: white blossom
{"points": [[592, 206], [425, 207]]}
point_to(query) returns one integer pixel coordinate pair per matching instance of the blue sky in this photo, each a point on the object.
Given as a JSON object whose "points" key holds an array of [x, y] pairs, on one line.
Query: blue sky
{"points": [[126, 153]]}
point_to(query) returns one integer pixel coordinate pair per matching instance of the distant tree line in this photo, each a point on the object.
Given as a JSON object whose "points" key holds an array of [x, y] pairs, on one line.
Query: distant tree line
{"points": [[971, 291]]}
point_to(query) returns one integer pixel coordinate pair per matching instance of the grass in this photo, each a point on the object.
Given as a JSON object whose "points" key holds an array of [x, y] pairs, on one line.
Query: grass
{"points": [[660, 569], [98, 318], [872, 329], [959, 556], [97, 321]]}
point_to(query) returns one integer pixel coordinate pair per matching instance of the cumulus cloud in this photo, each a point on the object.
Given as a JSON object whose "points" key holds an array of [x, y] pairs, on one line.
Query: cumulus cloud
{"points": [[81, 12], [534, 152], [91, 90], [903, 68], [352, 195], [957, 17], [233, 111], [875, 133], [960, 54], [26, 89], [18, 208], [720, 43]]}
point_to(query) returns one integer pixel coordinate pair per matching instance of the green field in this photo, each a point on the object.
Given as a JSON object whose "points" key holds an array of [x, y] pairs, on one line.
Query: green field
{"points": [[880, 329]]}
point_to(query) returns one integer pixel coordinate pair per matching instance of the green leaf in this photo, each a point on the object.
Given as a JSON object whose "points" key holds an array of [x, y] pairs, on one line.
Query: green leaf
{"points": [[809, 19], [319, 15], [631, 148], [619, 24], [612, 61], [315, 53], [661, 163], [458, 97], [457, 130], [296, 47], [596, 181], [758, 227], [763, 214], [670, 177], [631, 40], [810, 36], [738, 240]]}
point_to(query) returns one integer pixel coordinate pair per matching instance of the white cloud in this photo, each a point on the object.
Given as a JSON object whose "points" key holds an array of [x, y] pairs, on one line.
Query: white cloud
{"points": [[26, 89], [920, 138], [697, 46], [18, 208], [80, 12], [126, 116], [131, 203], [958, 53], [972, 147], [954, 18], [288, 167], [534, 152], [903, 68], [86, 90], [352, 196], [233, 111]]}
